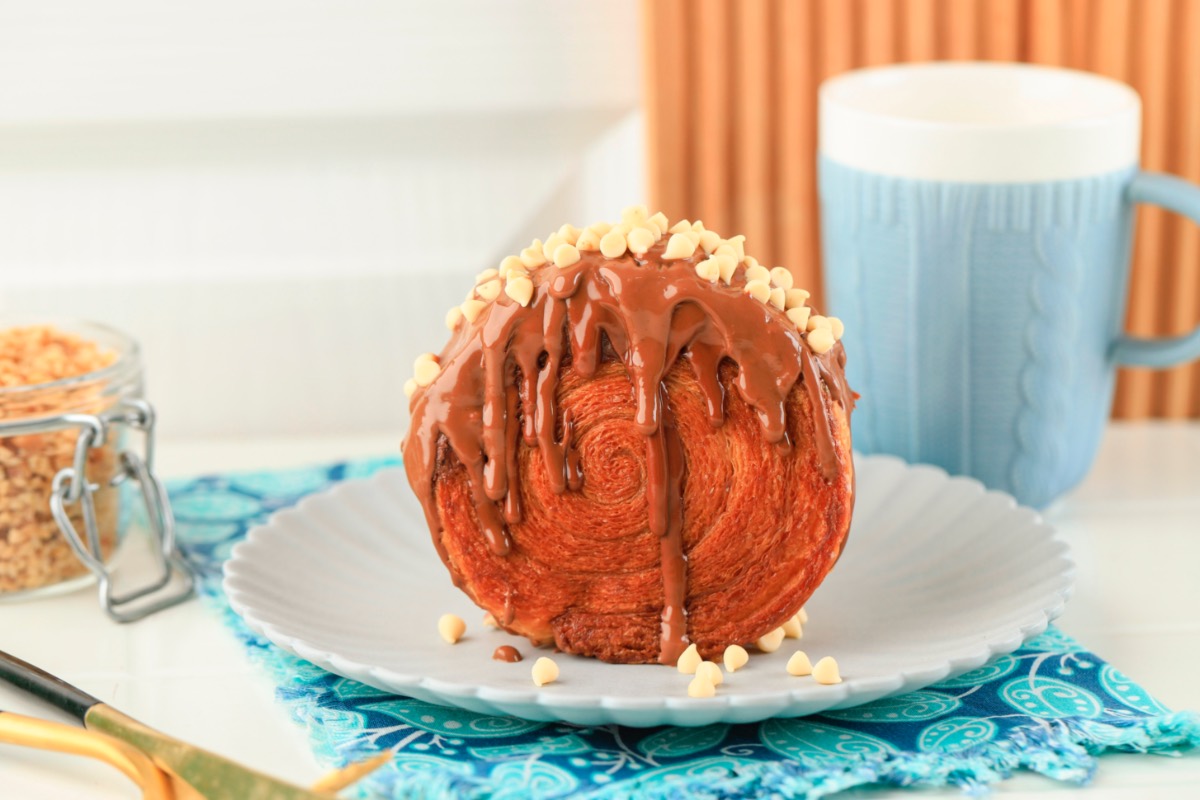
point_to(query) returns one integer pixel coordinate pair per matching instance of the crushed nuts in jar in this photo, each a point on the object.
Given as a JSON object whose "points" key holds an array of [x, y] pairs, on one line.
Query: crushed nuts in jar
{"points": [[46, 372]]}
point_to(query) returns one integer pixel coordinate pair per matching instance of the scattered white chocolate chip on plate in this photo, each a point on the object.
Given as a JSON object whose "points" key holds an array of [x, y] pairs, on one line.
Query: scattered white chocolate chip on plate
{"points": [[792, 628], [451, 628], [735, 657], [826, 672], [688, 660], [544, 671], [701, 686], [799, 664], [710, 670], [770, 642]]}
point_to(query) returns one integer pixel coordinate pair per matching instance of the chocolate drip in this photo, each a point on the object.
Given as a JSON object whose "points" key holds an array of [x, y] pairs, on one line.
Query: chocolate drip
{"points": [[499, 381]]}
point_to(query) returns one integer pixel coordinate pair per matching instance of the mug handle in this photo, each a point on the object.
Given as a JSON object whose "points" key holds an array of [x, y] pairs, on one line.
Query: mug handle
{"points": [[1173, 194]]}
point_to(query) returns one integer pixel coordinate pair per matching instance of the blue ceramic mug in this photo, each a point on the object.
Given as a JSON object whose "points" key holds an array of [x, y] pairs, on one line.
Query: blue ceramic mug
{"points": [[976, 223]]}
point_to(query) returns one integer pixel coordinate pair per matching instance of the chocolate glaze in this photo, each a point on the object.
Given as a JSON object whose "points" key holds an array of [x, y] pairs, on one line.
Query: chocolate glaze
{"points": [[497, 388], [507, 652]]}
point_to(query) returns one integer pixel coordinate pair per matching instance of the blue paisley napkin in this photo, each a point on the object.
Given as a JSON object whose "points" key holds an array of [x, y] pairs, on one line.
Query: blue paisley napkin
{"points": [[1050, 707]]}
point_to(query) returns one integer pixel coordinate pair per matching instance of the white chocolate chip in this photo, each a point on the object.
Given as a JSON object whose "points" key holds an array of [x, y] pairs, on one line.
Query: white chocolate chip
{"points": [[679, 246], [451, 628], [565, 255], [799, 316], [701, 686], [680, 227], [739, 245], [820, 340], [837, 327], [489, 291], [817, 321], [520, 289], [553, 242], [569, 233], [757, 273], [599, 228], [726, 249], [544, 671], [749, 261], [802, 615], [770, 642], [518, 271], [735, 657], [698, 225], [453, 317], [410, 386], [588, 240], [709, 240], [489, 619], [612, 244], [634, 214], [826, 672], [532, 256], [688, 660], [799, 665], [471, 309], [796, 298], [759, 290], [426, 369], [709, 269], [712, 671], [792, 628], [782, 278], [777, 298], [660, 220], [488, 274], [640, 240], [728, 266]]}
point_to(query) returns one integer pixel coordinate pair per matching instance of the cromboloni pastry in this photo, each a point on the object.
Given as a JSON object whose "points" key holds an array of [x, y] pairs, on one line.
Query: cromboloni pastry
{"points": [[636, 439]]}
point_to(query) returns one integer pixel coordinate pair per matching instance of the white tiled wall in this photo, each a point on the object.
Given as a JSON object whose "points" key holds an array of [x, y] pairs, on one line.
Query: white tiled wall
{"points": [[280, 200]]}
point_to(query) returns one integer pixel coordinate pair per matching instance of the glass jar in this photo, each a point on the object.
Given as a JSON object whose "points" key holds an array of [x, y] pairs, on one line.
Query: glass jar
{"points": [[69, 475]]}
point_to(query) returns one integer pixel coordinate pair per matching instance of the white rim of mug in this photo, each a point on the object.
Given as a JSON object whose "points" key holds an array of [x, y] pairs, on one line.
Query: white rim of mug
{"points": [[997, 151]]}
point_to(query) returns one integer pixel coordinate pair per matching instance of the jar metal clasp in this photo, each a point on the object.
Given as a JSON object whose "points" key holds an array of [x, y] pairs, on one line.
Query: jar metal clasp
{"points": [[175, 581]]}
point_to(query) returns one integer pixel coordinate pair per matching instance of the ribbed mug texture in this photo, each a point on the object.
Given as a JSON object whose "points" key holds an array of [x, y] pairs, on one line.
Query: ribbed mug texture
{"points": [[980, 319]]}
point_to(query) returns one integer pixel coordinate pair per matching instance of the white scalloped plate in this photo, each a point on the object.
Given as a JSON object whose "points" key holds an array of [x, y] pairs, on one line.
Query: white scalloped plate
{"points": [[938, 576]]}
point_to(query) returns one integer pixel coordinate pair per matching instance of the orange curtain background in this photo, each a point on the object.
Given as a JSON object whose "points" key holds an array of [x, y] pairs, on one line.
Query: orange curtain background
{"points": [[731, 116]]}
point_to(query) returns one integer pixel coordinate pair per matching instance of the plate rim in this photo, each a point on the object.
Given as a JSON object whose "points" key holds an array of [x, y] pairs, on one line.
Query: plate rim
{"points": [[548, 706]]}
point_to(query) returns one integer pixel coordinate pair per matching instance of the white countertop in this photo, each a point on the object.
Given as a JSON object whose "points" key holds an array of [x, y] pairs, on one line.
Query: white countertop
{"points": [[1134, 527]]}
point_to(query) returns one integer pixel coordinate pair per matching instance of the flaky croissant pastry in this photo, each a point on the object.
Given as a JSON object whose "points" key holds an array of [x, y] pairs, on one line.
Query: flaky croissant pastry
{"points": [[636, 439]]}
